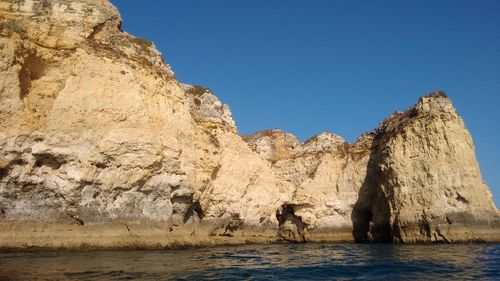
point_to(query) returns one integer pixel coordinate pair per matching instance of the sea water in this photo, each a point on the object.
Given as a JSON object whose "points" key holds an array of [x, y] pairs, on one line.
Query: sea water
{"points": [[264, 262]]}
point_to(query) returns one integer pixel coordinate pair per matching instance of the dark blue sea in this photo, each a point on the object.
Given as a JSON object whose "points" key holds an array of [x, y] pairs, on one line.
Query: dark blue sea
{"points": [[264, 262]]}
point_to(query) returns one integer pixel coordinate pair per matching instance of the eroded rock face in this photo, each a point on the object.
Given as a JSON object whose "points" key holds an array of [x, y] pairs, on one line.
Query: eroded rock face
{"points": [[324, 177], [97, 134], [95, 128], [57, 24], [428, 175], [413, 179], [206, 107], [66, 154]]}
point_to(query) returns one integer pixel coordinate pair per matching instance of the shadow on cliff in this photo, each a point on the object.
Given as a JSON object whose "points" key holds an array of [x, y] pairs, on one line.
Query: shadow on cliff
{"points": [[371, 213]]}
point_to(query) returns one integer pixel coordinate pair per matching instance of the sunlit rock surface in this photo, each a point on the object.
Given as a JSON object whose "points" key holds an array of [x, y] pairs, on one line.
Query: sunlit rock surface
{"points": [[101, 147], [429, 186]]}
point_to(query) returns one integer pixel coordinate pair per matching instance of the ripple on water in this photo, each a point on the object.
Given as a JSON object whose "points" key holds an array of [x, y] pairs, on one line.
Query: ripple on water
{"points": [[264, 262]]}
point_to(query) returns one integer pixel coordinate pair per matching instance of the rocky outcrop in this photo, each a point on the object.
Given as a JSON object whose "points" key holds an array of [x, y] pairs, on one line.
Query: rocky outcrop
{"points": [[101, 146], [427, 186], [324, 176], [83, 107], [96, 129], [206, 107]]}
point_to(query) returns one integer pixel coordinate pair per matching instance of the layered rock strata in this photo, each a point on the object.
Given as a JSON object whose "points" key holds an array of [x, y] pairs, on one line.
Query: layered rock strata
{"points": [[101, 147], [428, 182]]}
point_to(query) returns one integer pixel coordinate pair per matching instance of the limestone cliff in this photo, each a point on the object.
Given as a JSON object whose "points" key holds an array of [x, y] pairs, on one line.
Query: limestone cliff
{"points": [[413, 179], [426, 184], [101, 146], [324, 177], [96, 129]]}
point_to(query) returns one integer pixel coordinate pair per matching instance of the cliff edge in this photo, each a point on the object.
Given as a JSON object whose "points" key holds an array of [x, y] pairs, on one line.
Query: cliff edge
{"points": [[101, 147]]}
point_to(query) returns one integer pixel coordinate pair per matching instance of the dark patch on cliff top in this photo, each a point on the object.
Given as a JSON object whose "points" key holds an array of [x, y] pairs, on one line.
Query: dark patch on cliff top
{"points": [[197, 90]]}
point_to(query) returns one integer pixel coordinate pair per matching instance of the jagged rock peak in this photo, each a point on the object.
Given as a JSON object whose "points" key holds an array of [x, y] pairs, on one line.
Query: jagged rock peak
{"points": [[273, 145], [435, 103], [276, 144], [206, 107], [426, 185], [325, 137], [270, 133], [324, 142]]}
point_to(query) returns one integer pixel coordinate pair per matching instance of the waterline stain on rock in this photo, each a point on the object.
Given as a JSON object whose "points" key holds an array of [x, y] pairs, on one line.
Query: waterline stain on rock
{"points": [[95, 124]]}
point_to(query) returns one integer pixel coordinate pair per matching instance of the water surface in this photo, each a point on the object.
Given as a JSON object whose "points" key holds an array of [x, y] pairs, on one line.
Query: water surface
{"points": [[263, 262]]}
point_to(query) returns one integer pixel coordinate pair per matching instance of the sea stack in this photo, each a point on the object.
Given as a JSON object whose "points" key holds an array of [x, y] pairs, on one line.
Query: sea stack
{"points": [[101, 147]]}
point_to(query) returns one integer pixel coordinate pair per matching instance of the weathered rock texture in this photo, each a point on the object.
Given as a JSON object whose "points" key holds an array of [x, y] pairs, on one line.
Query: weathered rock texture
{"points": [[425, 184], [324, 178], [100, 146]]}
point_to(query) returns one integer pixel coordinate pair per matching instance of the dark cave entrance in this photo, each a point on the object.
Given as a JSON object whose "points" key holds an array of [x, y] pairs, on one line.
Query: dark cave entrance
{"points": [[372, 225], [291, 226], [371, 214], [361, 219]]}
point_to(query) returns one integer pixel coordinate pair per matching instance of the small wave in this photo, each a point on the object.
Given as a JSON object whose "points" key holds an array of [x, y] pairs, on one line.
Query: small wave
{"points": [[264, 262]]}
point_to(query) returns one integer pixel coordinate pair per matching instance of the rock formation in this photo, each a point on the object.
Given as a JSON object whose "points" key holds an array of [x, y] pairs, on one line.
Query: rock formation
{"points": [[425, 184], [101, 147], [324, 178]]}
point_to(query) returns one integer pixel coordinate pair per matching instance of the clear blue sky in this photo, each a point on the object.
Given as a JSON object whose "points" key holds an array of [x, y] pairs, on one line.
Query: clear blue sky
{"points": [[342, 66]]}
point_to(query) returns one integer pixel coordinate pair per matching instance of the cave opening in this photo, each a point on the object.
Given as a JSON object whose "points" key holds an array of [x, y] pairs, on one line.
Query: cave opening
{"points": [[291, 227], [194, 212], [371, 214], [361, 225]]}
